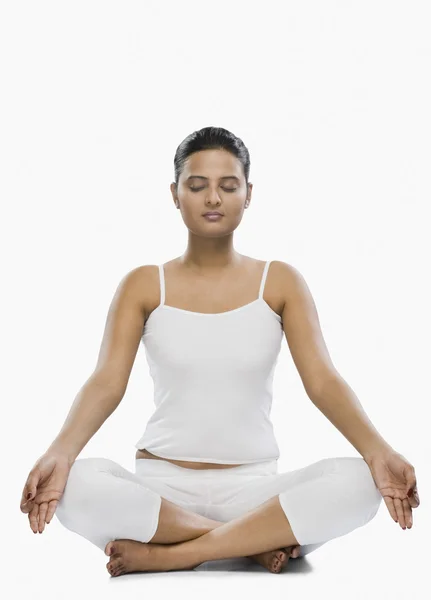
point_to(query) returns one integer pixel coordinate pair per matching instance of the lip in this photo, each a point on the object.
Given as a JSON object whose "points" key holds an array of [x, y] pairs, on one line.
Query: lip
{"points": [[212, 212]]}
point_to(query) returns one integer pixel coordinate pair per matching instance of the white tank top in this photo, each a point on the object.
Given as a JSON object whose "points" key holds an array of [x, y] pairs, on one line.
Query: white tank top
{"points": [[213, 378]]}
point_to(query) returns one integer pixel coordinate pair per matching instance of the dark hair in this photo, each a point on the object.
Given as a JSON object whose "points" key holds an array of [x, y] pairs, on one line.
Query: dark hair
{"points": [[210, 138]]}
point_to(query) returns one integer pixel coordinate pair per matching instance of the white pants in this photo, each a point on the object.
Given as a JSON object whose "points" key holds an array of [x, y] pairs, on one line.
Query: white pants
{"points": [[103, 501]]}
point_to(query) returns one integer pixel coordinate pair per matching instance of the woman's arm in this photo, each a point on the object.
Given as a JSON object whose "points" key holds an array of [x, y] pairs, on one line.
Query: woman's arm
{"points": [[324, 385], [94, 403], [105, 388]]}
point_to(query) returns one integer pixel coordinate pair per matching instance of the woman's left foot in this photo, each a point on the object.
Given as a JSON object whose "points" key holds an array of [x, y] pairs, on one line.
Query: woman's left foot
{"points": [[129, 556], [276, 560]]}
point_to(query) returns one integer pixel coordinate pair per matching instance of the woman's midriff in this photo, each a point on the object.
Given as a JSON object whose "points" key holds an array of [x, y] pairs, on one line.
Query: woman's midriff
{"points": [[183, 463]]}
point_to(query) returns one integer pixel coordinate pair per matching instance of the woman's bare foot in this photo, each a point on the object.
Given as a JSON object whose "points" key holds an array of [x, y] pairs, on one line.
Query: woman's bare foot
{"points": [[128, 556], [275, 560]]}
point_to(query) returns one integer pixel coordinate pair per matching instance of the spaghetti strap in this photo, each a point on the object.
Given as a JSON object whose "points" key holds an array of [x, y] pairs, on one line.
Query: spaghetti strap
{"points": [[262, 283], [162, 285]]}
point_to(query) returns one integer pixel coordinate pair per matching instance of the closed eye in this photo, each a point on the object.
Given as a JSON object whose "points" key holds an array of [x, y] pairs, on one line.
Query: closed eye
{"points": [[225, 189]]}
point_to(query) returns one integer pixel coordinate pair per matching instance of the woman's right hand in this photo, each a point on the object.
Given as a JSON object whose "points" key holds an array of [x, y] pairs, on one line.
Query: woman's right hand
{"points": [[45, 483]]}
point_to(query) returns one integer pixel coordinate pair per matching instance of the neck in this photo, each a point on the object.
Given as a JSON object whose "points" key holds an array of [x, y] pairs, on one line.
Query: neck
{"points": [[212, 254]]}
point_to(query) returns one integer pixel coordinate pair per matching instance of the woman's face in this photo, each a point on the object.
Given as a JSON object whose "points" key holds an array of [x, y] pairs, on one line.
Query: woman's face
{"points": [[212, 180]]}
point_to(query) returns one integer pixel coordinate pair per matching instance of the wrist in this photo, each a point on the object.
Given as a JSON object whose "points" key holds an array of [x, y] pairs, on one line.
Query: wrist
{"points": [[58, 449], [379, 451]]}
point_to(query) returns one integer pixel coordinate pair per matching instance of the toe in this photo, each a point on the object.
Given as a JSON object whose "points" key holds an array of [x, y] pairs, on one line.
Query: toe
{"points": [[117, 569], [276, 565], [110, 548], [115, 563]]}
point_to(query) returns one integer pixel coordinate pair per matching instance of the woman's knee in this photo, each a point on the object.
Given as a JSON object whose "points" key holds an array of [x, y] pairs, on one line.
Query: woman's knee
{"points": [[102, 500], [82, 485], [352, 481], [358, 477]]}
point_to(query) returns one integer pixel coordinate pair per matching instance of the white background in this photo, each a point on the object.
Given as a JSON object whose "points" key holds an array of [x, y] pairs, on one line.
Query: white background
{"points": [[333, 101]]}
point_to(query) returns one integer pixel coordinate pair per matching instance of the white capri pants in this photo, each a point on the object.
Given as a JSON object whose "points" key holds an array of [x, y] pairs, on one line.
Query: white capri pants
{"points": [[103, 501]]}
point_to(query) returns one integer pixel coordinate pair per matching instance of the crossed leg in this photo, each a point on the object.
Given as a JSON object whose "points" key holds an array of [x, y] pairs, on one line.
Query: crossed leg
{"points": [[255, 533], [327, 499], [111, 507], [104, 501]]}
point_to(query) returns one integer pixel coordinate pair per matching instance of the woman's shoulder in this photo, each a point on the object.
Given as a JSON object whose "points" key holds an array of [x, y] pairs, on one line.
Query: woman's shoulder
{"points": [[143, 280]]}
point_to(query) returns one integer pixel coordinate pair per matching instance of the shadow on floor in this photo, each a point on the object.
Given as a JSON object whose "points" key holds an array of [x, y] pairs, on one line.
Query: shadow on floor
{"points": [[294, 565]]}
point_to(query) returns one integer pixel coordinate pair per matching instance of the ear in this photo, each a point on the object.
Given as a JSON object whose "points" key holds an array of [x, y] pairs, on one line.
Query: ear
{"points": [[250, 188], [174, 193]]}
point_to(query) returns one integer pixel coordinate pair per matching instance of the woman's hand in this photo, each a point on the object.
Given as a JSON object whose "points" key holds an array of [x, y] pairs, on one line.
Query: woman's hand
{"points": [[44, 488], [395, 478]]}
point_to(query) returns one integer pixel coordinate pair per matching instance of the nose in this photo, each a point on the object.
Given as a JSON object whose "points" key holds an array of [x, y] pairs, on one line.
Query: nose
{"points": [[212, 197]]}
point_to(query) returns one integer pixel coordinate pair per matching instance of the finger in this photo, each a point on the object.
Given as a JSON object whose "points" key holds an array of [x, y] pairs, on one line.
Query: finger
{"points": [[51, 510], [391, 508], [30, 486], [26, 502], [42, 513], [26, 508], [407, 513], [413, 497], [400, 512], [24, 495], [411, 482], [33, 518]]}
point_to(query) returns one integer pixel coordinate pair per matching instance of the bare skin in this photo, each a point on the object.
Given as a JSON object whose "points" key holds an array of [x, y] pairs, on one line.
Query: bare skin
{"points": [[129, 556], [255, 532]]}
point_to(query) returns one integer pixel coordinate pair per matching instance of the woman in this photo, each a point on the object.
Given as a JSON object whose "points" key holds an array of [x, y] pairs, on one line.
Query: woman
{"points": [[206, 484]]}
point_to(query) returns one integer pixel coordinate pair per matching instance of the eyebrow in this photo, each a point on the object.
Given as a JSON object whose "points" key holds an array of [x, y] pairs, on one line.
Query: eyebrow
{"points": [[225, 177]]}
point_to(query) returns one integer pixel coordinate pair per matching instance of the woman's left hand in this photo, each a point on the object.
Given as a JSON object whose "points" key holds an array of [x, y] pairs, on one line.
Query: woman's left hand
{"points": [[395, 478]]}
